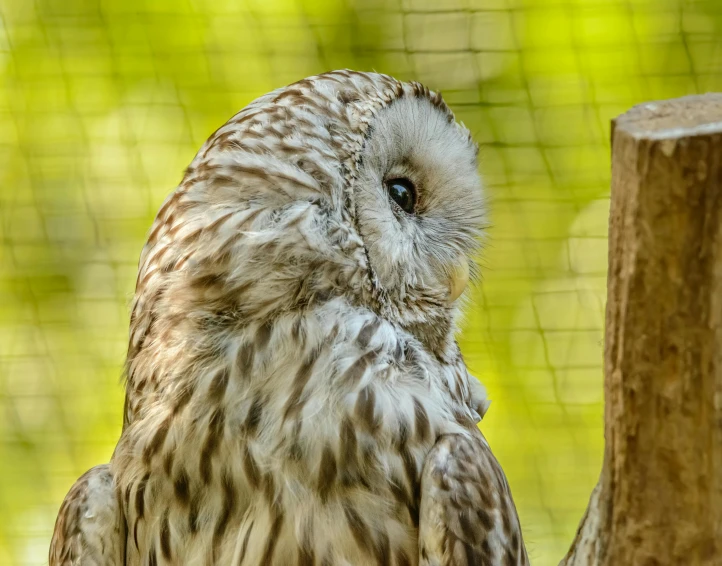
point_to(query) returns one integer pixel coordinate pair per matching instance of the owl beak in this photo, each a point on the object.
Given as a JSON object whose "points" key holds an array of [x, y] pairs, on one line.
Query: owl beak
{"points": [[459, 279]]}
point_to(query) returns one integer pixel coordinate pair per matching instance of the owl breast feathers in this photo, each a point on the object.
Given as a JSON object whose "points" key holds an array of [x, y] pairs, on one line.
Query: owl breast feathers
{"points": [[295, 395]]}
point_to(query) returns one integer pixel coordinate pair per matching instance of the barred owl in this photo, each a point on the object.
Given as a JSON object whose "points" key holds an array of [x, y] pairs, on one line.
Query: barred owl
{"points": [[295, 394]]}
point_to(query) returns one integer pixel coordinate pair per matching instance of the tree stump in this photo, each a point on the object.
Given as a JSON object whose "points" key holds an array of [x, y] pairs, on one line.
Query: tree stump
{"points": [[659, 498]]}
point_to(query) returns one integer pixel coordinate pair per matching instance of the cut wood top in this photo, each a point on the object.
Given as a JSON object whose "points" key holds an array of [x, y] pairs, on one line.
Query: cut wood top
{"points": [[676, 118]]}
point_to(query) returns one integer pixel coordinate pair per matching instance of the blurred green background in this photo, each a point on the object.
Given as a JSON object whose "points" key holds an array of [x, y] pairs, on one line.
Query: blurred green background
{"points": [[103, 103]]}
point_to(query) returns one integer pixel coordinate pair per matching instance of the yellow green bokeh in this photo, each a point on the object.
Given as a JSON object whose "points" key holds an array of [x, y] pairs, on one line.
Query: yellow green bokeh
{"points": [[103, 103]]}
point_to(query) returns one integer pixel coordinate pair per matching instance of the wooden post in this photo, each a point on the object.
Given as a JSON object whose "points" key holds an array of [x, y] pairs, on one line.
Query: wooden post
{"points": [[659, 498]]}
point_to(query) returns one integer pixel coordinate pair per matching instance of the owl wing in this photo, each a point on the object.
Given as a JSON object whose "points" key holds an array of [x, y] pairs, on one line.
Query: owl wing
{"points": [[90, 529], [467, 515]]}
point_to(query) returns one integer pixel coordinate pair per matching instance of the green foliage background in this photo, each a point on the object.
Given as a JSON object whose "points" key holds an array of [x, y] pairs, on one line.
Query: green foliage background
{"points": [[104, 102]]}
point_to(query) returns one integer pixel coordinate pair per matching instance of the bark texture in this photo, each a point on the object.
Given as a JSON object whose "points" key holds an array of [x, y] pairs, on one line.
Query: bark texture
{"points": [[659, 497]]}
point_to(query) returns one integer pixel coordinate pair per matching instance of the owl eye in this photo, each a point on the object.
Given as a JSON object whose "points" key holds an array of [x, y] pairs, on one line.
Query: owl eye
{"points": [[403, 193]]}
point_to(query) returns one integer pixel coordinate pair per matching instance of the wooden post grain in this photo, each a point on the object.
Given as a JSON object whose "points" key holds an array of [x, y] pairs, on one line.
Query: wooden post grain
{"points": [[659, 498]]}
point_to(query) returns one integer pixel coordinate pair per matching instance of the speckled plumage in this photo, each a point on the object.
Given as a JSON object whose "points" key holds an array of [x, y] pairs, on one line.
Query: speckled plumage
{"points": [[295, 394]]}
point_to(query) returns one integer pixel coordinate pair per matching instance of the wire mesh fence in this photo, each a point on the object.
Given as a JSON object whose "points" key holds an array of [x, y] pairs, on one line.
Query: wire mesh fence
{"points": [[104, 102]]}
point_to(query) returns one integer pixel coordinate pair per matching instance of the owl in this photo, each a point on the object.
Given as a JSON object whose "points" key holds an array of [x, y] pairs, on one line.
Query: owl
{"points": [[295, 395]]}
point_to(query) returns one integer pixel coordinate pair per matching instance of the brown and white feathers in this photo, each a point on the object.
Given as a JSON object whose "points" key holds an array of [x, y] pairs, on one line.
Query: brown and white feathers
{"points": [[295, 394]]}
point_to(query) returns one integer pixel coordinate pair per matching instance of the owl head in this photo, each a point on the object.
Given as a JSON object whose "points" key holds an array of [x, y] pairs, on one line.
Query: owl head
{"points": [[344, 186]]}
